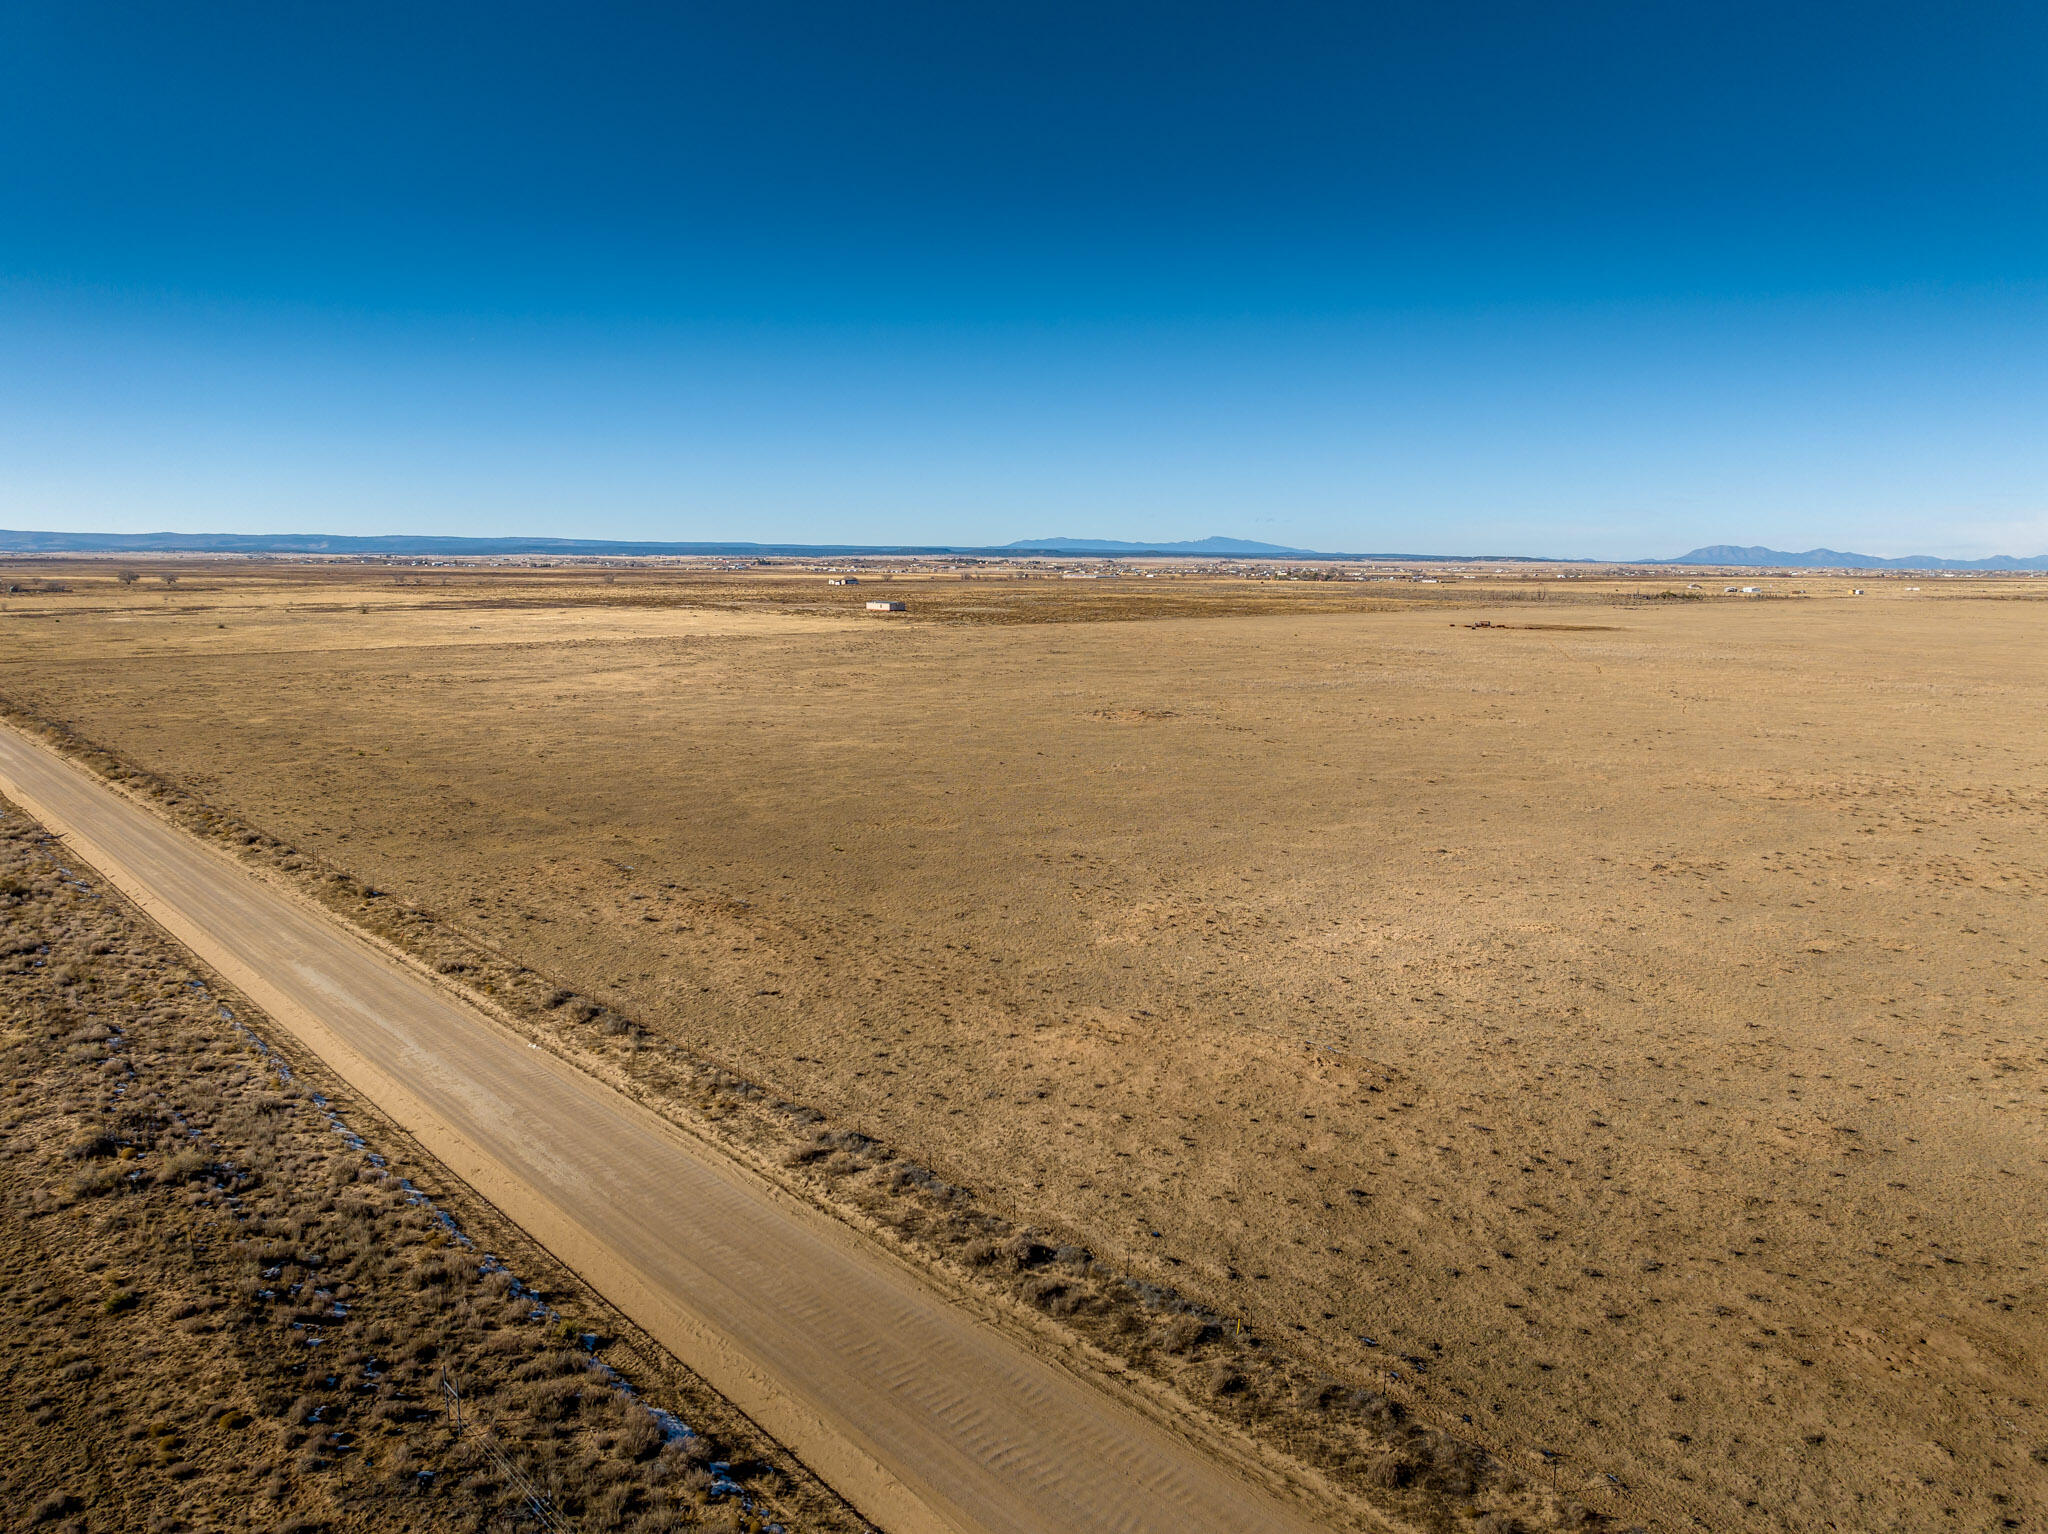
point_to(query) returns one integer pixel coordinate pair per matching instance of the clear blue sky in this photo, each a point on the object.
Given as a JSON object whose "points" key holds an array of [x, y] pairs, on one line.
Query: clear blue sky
{"points": [[1564, 278]]}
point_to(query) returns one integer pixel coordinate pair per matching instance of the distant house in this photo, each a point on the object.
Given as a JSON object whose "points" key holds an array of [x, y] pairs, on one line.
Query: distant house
{"points": [[844, 580], [885, 607]]}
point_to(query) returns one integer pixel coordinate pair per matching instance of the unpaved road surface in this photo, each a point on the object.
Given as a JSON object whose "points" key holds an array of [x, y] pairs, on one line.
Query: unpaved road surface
{"points": [[921, 1415]]}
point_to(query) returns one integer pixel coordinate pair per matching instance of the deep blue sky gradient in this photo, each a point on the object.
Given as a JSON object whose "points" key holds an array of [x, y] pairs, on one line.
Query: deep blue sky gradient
{"points": [[1575, 279]]}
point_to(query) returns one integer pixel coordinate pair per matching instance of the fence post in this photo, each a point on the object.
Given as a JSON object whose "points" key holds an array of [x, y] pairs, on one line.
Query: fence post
{"points": [[451, 1399]]}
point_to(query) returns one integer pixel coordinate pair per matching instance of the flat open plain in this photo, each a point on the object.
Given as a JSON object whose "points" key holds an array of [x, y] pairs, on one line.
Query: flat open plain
{"points": [[1624, 1033]]}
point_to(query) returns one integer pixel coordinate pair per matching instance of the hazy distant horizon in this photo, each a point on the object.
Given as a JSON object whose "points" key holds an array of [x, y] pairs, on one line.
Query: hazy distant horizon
{"points": [[101, 540]]}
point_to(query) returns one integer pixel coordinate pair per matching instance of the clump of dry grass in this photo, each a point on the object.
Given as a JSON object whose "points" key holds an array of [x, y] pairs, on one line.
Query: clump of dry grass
{"points": [[229, 1307]]}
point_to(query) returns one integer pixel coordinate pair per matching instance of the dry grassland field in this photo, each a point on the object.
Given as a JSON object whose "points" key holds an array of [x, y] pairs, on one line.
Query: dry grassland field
{"points": [[1614, 1029]]}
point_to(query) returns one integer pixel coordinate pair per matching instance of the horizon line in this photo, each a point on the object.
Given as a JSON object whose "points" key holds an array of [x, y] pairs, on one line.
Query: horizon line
{"points": [[33, 542]]}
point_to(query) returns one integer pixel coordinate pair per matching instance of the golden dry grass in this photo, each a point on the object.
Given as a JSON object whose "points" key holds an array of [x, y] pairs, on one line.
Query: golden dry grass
{"points": [[1631, 1028]]}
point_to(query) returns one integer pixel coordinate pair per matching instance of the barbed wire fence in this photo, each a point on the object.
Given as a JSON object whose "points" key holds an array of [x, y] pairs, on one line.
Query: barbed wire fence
{"points": [[532, 1505]]}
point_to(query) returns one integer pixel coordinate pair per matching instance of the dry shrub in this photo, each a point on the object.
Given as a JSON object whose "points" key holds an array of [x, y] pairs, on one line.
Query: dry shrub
{"points": [[1390, 1470], [442, 1270], [92, 1147], [96, 1184], [1026, 1251], [551, 1400], [1455, 1468], [804, 1155], [982, 1254], [1225, 1380], [1377, 1409], [548, 1366], [641, 1437], [907, 1175], [56, 1505], [1315, 1395], [1058, 1295], [183, 1167]]}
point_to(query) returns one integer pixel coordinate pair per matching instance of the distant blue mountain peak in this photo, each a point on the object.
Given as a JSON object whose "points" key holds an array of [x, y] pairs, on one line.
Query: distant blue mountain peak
{"points": [[1836, 559]]}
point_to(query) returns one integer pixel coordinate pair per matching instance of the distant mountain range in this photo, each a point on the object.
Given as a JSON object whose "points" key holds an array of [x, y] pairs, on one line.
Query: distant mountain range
{"points": [[1835, 559], [403, 544], [428, 546], [411, 546]]}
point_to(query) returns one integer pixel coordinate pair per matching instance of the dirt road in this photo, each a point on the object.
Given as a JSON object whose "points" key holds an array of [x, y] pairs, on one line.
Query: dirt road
{"points": [[923, 1416]]}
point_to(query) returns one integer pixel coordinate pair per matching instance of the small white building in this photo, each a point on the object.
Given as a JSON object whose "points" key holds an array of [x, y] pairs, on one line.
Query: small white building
{"points": [[885, 607], [844, 580]]}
